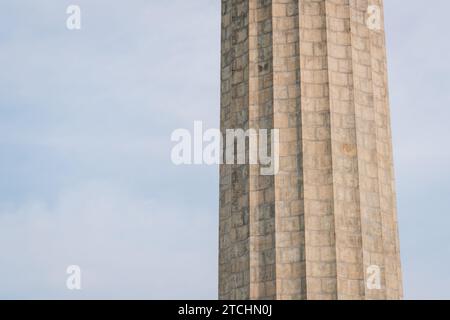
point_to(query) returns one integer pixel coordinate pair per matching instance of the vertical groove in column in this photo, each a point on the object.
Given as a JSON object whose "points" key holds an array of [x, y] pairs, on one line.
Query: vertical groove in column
{"points": [[371, 221], [317, 154], [349, 258], [385, 162], [240, 175], [262, 207], [225, 172], [235, 211], [289, 210]]}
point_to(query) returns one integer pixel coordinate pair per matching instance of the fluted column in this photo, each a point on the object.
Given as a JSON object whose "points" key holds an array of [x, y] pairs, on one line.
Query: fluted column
{"points": [[324, 226]]}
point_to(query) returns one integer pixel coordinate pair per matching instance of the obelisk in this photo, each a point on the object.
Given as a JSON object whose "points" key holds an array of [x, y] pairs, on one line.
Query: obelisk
{"points": [[325, 225]]}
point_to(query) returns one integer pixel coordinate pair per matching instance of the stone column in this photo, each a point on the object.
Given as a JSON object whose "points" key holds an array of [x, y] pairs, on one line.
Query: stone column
{"points": [[324, 226]]}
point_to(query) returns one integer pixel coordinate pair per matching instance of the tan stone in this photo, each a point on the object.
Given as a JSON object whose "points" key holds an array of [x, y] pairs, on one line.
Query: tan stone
{"points": [[315, 71]]}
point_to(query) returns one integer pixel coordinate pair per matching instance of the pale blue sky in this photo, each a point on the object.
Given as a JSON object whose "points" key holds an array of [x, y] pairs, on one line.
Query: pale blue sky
{"points": [[85, 124]]}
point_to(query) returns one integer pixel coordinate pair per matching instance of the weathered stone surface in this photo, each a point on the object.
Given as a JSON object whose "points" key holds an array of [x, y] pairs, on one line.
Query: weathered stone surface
{"points": [[314, 70]]}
